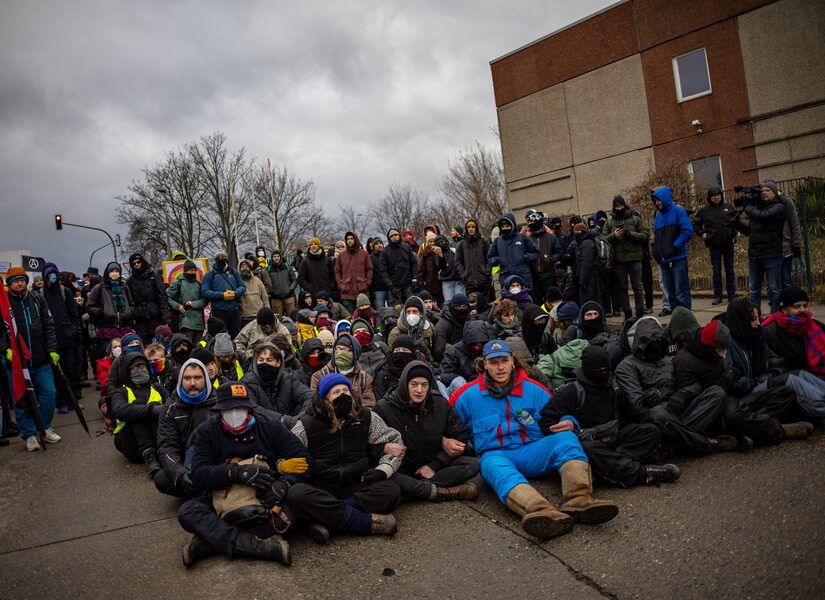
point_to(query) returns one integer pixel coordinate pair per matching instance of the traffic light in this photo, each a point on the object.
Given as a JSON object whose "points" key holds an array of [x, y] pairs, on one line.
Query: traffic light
{"points": [[58, 222]]}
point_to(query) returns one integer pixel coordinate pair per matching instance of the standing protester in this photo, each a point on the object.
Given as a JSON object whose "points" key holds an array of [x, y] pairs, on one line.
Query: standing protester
{"points": [[379, 289], [714, 224], [223, 286], [353, 271], [456, 234], [628, 236], [672, 231], [282, 279], [110, 305], [550, 252], [255, 297], [260, 267], [471, 261], [316, 272], [427, 273], [512, 251], [184, 296], [400, 265], [589, 279], [149, 297], [448, 272], [791, 237]]}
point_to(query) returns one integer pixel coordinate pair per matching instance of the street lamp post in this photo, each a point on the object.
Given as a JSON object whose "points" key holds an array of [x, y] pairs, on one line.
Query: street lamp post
{"points": [[59, 222]]}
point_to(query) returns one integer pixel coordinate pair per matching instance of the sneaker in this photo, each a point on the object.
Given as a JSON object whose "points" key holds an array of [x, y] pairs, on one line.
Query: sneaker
{"points": [[649, 311], [32, 445], [52, 437], [798, 431], [63, 410], [657, 474], [665, 312]]}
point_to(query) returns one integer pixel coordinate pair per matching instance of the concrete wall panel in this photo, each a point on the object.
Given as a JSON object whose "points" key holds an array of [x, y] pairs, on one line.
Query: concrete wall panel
{"points": [[607, 110], [533, 193], [597, 182]]}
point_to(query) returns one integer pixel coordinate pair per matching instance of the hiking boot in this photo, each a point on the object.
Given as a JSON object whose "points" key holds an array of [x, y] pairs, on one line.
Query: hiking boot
{"points": [[318, 533], [797, 431], [150, 459], [723, 443], [665, 312], [51, 436], [577, 491], [273, 548], [465, 491], [539, 518], [196, 550], [657, 474], [717, 301], [744, 444], [32, 445], [384, 525], [628, 314]]}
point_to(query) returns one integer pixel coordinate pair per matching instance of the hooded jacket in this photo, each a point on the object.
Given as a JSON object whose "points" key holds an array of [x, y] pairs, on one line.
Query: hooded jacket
{"points": [[715, 221], [307, 370], [179, 293], [514, 253], [353, 270], [446, 263], [64, 309], [255, 297], [216, 281], [458, 360], [427, 271], [373, 354], [423, 332], [647, 370], [550, 250], [630, 246], [697, 363], [317, 273], [672, 229], [148, 294], [448, 331], [282, 277], [101, 305], [765, 229], [362, 382], [286, 395], [471, 259], [422, 429], [584, 267], [121, 409], [558, 367], [35, 325], [399, 263]]}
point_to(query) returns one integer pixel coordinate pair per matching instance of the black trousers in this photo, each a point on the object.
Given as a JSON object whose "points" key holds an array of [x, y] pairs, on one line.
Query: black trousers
{"points": [[647, 281], [166, 485], [759, 415], [632, 271], [70, 365], [688, 431], [399, 295], [198, 516], [230, 318], [620, 462], [314, 505], [460, 470], [146, 329], [541, 283], [136, 437]]}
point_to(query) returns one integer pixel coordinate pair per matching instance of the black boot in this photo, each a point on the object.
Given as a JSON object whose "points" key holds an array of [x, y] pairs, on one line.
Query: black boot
{"points": [[657, 474], [10, 430], [318, 533], [797, 431], [273, 548], [723, 443], [150, 459], [744, 444], [717, 300], [196, 550]]}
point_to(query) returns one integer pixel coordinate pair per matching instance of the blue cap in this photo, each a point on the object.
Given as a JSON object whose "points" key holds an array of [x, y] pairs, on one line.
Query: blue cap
{"points": [[496, 348]]}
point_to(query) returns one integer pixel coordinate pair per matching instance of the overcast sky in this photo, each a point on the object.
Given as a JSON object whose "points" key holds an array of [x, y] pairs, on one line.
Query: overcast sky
{"points": [[353, 95]]}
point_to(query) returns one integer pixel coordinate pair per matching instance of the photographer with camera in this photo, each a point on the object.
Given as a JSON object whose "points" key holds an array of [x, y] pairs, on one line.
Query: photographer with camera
{"points": [[766, 216], [714, 224]]}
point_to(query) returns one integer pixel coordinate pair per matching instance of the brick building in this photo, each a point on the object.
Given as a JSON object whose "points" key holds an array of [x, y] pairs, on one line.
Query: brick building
{"points": [[734, 89]]}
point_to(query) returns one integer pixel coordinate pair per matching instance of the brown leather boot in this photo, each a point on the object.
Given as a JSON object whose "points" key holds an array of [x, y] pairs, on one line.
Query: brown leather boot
{"points": [[539, 517], [797, 431], [577, 490], [384, 525], [465, 491]]}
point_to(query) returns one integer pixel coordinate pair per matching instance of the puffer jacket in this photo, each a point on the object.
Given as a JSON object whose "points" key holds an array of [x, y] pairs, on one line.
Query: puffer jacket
{"points": [[255, 297], [672, 229], [715, 222], [448, 331], [558, 367], [282, 278], [148, 295], [216, 281], [458, 360], [765, 230], [353, 270], [399, 263], [423, 333], [35, 326], [182, 291], [514, 253], [101, 305], [630, 246], [471, 260], [446, 263], [316, 274]]}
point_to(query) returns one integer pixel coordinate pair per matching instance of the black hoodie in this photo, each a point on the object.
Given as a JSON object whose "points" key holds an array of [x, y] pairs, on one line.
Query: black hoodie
{"points": [[285, 395], [714, 222], [458, 360], [471, 258]]}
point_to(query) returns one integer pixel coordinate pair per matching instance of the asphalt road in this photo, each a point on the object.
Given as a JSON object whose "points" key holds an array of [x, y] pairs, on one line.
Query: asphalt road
{"points": [[78, 521]]}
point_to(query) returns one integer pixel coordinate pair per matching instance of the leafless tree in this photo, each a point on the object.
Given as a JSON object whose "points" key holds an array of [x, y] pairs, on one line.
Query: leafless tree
{"points": [[473, 187], [402, 208], [357, 220]]}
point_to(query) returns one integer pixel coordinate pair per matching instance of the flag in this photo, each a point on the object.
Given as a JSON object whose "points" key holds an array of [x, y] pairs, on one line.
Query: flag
{"points": [[19, 372], [33, 264]]}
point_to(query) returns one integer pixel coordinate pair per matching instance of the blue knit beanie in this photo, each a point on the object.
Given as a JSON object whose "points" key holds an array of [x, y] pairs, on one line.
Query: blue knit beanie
{"points": [[330, 381], [569, 311]]}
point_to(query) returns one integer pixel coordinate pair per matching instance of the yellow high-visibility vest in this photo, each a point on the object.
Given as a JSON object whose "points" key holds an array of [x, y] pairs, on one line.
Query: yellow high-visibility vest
{"points": [[238, 372], [154, 396]]}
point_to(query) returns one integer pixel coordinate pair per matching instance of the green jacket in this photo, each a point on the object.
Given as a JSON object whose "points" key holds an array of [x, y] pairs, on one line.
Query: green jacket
{"points": [[181, 291], [630, 246], [558, 367]]}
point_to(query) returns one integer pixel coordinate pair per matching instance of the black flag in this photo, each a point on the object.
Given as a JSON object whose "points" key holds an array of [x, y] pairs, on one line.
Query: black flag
{"points": [[33, 263]]}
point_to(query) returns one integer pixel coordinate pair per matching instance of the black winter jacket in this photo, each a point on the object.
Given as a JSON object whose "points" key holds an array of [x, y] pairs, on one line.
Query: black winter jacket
{"points": [[400, 264], [380, 281], [458, 361], [448, 331], [447, 262], [283, 280], [101, 305], [35, 325], [287, 396], [767, 222], [316, 274], [471, 261], [139, 409], [148, 296], [697, 363], [65, 313], [550, 251], [176, 432], [715, 221], [789, 346]]}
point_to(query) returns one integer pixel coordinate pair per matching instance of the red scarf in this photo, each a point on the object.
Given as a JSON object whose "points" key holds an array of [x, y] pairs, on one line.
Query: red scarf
{"points": [[814, 337]]}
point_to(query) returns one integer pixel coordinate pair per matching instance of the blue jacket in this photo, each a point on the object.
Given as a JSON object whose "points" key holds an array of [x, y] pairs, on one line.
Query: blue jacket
{"points": [[216, 282], [672, 229], [492, 421], [513, 254]]}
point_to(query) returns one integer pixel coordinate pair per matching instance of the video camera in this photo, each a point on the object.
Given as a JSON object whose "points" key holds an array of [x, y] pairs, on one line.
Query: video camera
{"points": [[747, 194]]}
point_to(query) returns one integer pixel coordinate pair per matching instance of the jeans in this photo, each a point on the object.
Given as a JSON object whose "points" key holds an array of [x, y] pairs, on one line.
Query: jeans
{"points": [[769, 269], [676, 283], [633, 271], [380, 300], [450, 289], [718, 256], [43, 382], [665, 295]]}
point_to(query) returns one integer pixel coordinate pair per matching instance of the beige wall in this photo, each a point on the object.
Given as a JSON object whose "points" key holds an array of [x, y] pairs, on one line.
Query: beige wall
{"points": [[544, 193], [597, 182], [796, 148]]}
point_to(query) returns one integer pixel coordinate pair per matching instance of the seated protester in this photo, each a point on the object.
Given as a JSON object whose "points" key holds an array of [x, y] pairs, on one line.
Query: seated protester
{"points": [[130, 344], [595, 409], [516, 290], [214, 326], [438, 456], [559, 366], [136, 405], [344, 361], [373, 353], [189, 406], [323, 322], [240, 432], [566, 316], [161, 374], [535, 330], [413, 322], [431, 309], [180, 347], [257, 331], [346, 493], [479, 307], [365, 311], [458, 366], [163, 336], [284, 344], [450, 327], [327, 340], [229, 366], [592, 326], [342, 326], [274, 387], [292, 328], [402, 353], [521, 352], [313, 358], [208, 360], [682, 325], [102, 369], [552, 301], [501, 408], [505, 319], [337, 311], [794, 334], [306, 325], [387, 320], [305, 301]]}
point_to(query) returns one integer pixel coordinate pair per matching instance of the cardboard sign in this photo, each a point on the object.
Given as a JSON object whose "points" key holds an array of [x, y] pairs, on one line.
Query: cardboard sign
{"points": [[173, 269]]}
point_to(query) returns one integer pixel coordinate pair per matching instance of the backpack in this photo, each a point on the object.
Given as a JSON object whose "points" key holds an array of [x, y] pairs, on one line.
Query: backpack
{"points": [[604, 254]]}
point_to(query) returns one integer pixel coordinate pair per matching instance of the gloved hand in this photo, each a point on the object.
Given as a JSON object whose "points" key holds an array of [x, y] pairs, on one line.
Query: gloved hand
{"points": [[155, 409], [255, 476], [185, 485], [373, 475], [8, 354], [651, 397], [274, 494], [229, 295], [55, 358], [729, 377], [293, 465]]}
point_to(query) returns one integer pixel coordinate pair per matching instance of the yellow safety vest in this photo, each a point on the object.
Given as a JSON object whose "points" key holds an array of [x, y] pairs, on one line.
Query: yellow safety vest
{"points": [[202, 344], [238, 372], [154, 396]]}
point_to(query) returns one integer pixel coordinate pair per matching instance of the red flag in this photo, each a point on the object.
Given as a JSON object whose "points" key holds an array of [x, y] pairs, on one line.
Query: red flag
{"points": [[17, 365]]}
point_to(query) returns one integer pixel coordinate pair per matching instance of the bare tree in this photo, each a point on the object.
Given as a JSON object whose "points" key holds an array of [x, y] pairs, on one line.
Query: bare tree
{"points": [[357, 220], [402, 208], [473, 187]]}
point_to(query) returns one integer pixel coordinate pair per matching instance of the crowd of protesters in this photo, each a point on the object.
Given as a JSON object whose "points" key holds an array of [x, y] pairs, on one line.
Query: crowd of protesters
{"points": [[321, 388]]}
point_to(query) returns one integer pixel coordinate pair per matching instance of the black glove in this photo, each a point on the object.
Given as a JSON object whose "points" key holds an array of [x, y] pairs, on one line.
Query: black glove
{"points": [[155, 409], [185, 485], [252, 475], [651, 398], [274, 494], [729, 377], [373, 475]]}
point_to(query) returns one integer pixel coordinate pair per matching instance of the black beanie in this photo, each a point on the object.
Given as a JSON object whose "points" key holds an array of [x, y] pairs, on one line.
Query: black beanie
{"points": [[214, 326], [189, 265], [791, 295], [425, 295], [404, 341], [594, 358], [202, 354], [265, 316]]}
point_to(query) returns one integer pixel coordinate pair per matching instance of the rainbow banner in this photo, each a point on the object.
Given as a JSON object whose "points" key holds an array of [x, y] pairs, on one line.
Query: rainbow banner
{"points": [[173, 269]]}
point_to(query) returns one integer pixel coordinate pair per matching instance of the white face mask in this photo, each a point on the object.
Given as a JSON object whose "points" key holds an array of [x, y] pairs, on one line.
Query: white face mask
{"points": [[117, 351], [413, 320], [234, 417], [515, 290]]}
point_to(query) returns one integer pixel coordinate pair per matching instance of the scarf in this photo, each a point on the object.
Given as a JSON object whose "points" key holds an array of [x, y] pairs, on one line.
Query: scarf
{"points": [[495, 390], [814, 337], [247, 425], [118, 296]]}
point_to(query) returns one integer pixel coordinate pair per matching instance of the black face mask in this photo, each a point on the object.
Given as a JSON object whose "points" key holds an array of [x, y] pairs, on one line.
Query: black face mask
{"points": [[180, 356], [459, 313], [655, 350], [593, 326], [600, 377], [267, 372], [221, 262], [399, 360], [342, 405], [536, 226]]}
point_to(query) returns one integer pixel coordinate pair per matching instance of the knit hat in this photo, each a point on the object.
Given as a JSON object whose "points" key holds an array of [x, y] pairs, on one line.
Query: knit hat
{"points": [[569, 311], [223, 345], [791, 295], [391, 232], [594, 359], [214, 326], [425, 295], [618, 201], [404, 341], [189, 265], [716, 335], [202, 354], [459, 299], [323, 321], [771, 184], [360, 324], [375, 240], [130, 338], [579, 228], [163, 331], [681, 321], [16, 273], [290, 325], [283, 343], [314, 240], [232, 394], [321, 309], [430, 237], [362, 300], [221, 252], [459, 229], [322, 295], [265, 316], [330, 381]]}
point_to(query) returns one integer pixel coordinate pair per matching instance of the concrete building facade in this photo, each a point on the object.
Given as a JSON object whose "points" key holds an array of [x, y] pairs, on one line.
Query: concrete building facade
{"points": [[735, 90]]}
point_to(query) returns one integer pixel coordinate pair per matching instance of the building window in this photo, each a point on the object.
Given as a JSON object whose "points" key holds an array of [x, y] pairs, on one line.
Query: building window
{"points": [[706, 172], [692, 76]]}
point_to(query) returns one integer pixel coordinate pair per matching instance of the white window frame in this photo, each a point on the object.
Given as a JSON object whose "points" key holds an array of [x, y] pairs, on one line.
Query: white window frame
{"points": [[679, 96], [721, 171]]}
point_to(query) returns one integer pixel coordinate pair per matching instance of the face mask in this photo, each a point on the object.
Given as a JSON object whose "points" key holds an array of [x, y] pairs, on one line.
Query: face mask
{"points": [[475, 349], [342, 405], [140, 378], [221, 262], [413, 320], [515, 290], [314, 361], [267, 329], [131, 349], [600, 377], [52, 277], [268, 372], [246, 273], [536, 226], [399, 360], [190, 276], [157, 366], [117, 351], [181, 355], [234, 417], [364, 337], [344, 361], [261, 253], [655, 350]]}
